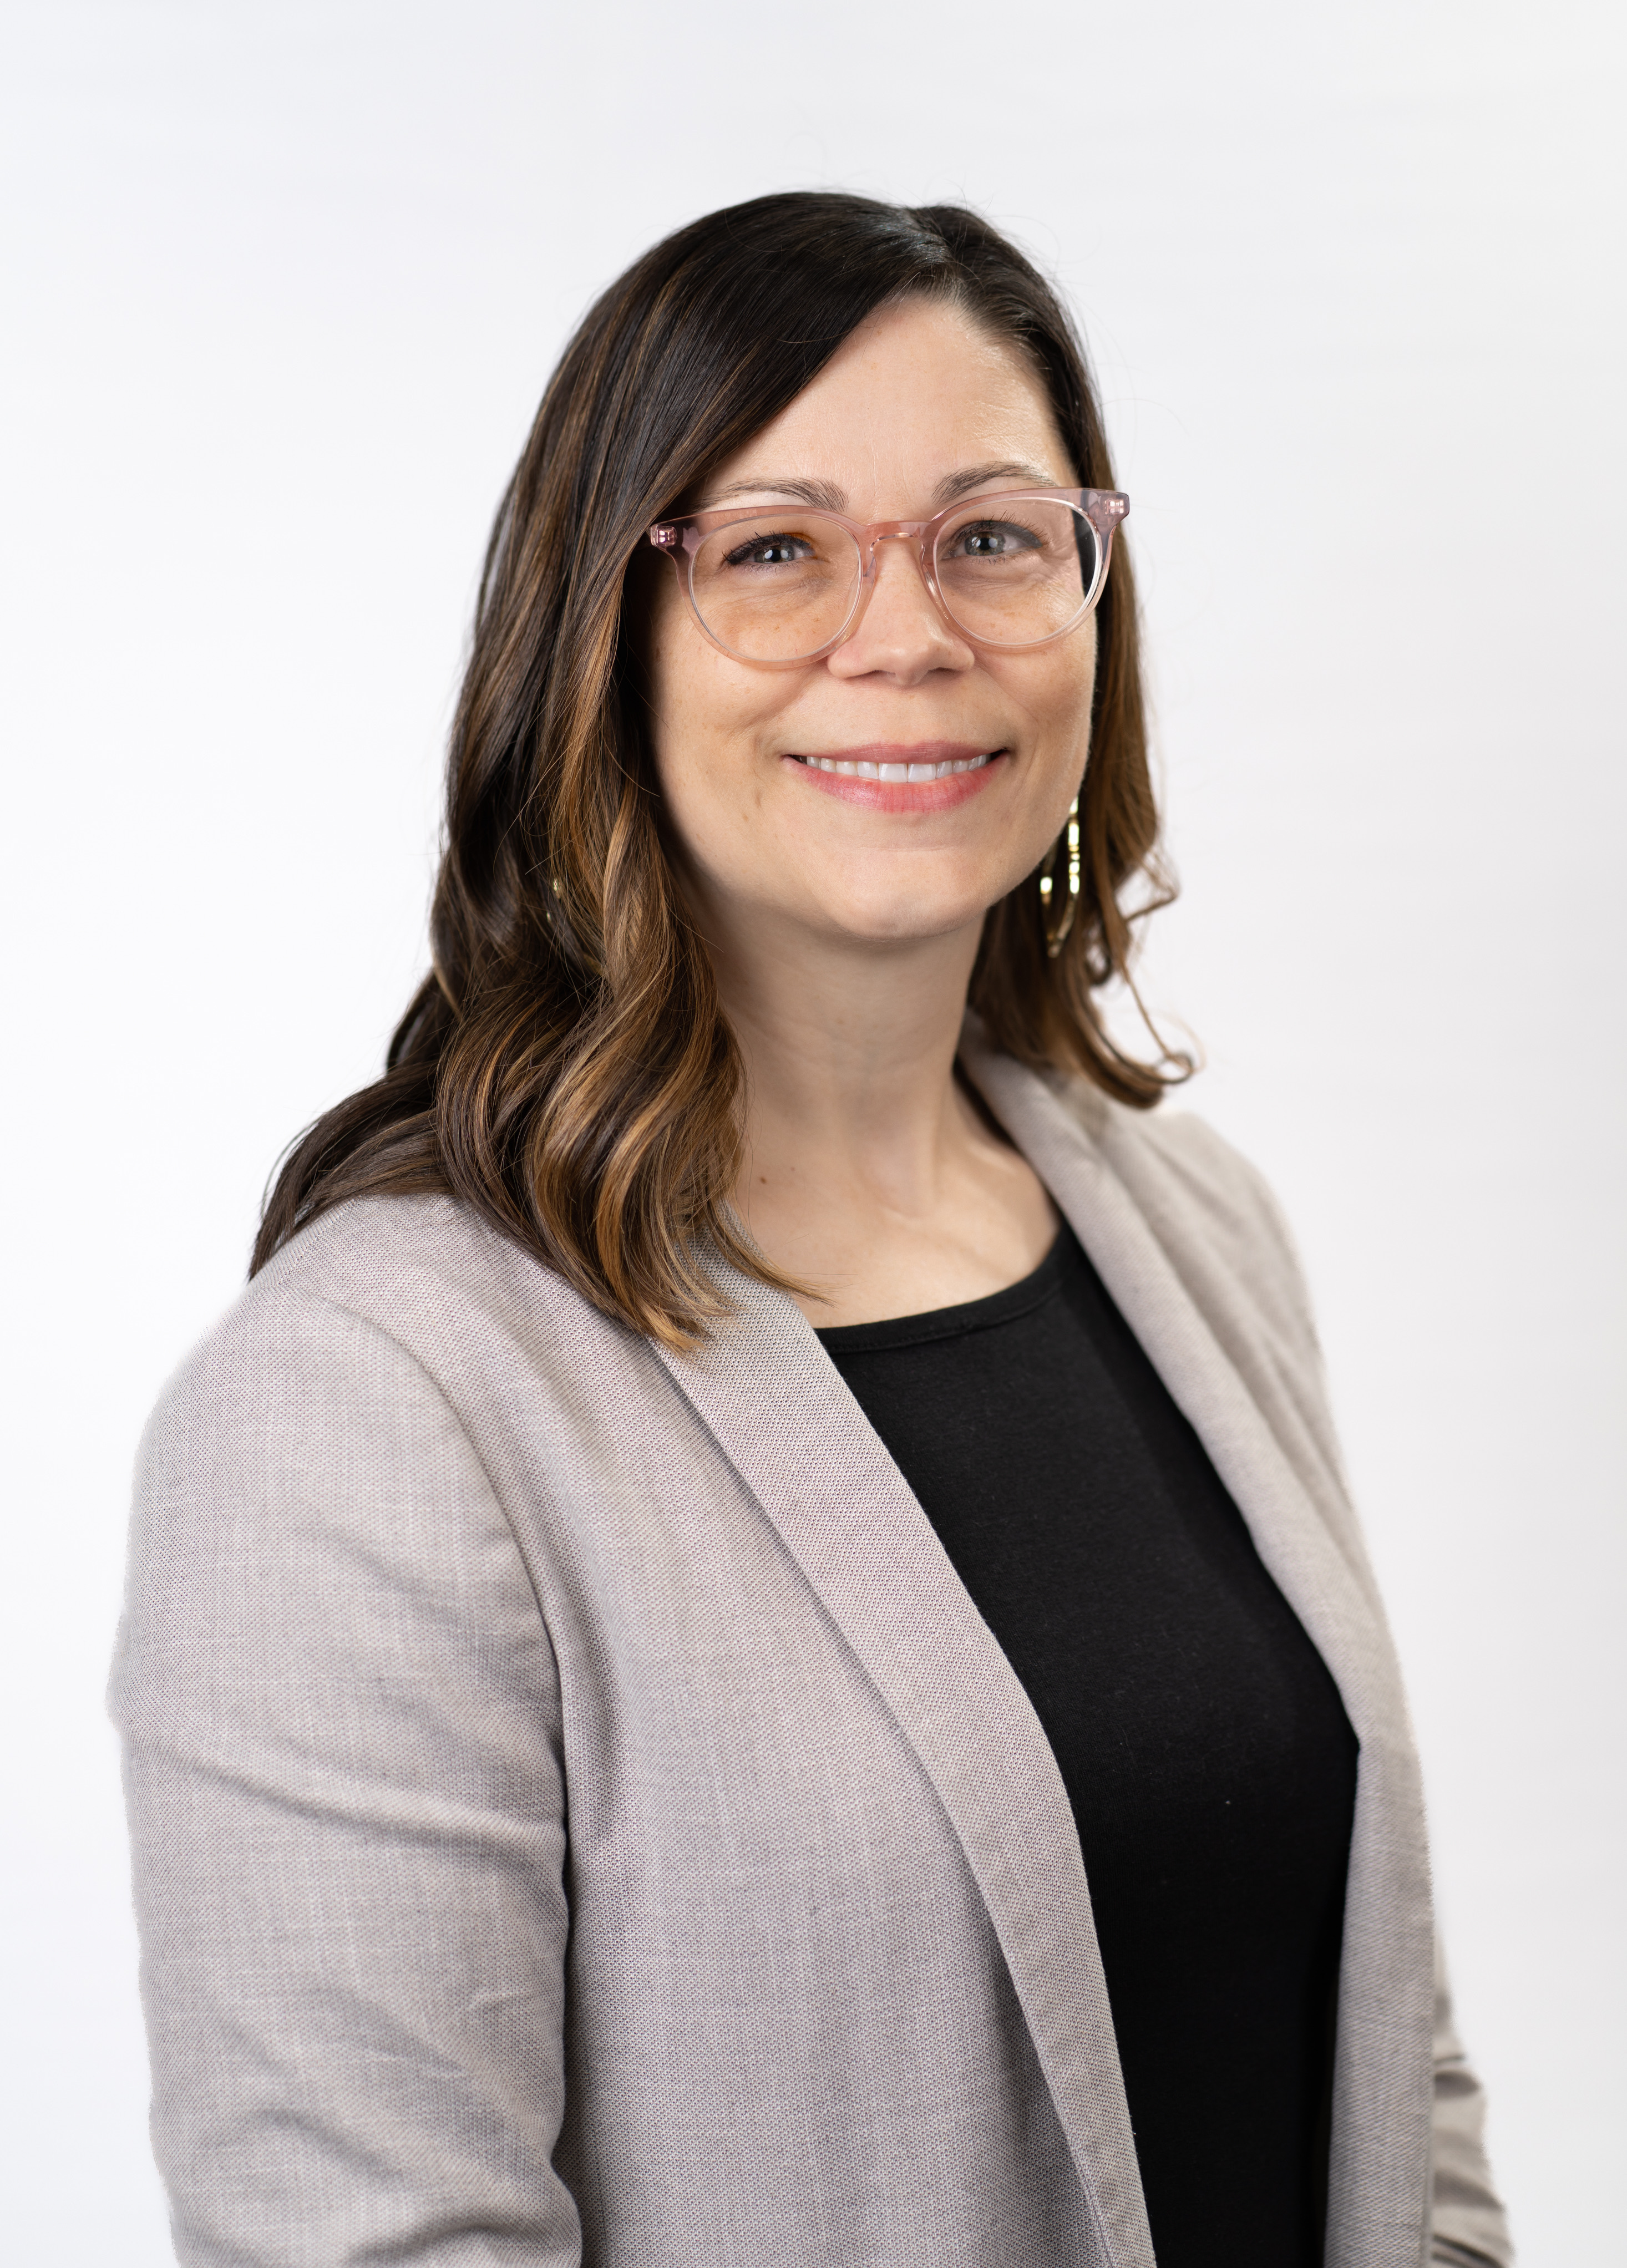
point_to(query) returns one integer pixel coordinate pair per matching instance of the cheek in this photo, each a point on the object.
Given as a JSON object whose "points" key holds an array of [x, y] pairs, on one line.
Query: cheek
{"points": [[708, 713], [706, 717], [691, 728], [1058, 700], [1053, 689], [1072, 684]]}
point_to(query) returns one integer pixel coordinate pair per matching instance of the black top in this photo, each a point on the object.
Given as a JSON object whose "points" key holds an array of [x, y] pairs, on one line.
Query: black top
{"points": [[1205, 1748]]}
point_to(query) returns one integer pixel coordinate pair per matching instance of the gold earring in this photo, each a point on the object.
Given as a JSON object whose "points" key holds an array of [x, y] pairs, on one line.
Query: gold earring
{"points": [[1056, 938]]}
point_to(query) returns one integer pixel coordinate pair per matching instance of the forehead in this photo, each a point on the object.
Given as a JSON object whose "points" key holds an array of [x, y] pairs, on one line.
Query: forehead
{"points": [[918, 390]]}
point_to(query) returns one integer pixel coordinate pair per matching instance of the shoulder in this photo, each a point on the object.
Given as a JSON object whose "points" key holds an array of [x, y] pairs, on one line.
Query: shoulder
{"points": [[1179, 1168], [320, 1470], [1183, 1226], [322, 1310], [1186, 1179], [363, 1386], [415, 1291], [342, 1318], [1208, 1208], [314, 1515], [397, 1333], [385, 1259]]}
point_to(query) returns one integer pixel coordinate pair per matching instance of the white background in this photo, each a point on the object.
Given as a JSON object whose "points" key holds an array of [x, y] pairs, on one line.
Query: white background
{"points": [[282, 284]]}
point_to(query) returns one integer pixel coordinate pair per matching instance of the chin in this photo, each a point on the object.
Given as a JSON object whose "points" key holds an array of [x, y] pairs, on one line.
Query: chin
{"points": [[895, 916]]}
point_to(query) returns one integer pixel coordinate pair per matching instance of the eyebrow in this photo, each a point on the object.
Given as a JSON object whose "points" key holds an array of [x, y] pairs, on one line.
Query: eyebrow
{"points": [[976, 476], [826, 496]]}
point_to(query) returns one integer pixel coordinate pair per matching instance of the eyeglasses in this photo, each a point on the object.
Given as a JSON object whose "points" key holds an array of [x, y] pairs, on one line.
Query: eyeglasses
{"points": [[783, 583]]}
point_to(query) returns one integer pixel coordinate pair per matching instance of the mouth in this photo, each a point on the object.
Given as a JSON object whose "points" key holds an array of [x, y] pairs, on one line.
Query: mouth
{"points": [[928, 776]]}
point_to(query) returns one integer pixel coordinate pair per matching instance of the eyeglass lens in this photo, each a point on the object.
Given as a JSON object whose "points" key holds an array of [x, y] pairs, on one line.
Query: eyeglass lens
{"points": [[782, 585]]}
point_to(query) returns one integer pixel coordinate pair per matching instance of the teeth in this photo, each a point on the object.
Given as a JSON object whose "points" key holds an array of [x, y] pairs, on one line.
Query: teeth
{"points": [[895, 772]]}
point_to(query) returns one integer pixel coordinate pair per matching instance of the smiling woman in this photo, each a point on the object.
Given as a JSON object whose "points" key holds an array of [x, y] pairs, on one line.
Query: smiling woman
{"points": [[569, 1070], [749, 1645]]}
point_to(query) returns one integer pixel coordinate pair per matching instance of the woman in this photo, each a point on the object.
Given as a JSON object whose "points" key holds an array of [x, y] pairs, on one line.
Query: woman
{"points": [[749, 1646]]}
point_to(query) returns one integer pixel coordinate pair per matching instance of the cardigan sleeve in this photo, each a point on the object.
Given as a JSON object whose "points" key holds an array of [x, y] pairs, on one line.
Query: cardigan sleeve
{"points": [[1468, 2226], [1249, 1233], [340, 1717]]}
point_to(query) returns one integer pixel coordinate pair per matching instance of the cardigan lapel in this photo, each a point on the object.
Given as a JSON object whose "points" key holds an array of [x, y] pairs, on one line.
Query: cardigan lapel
{"points": [[780, 1412], [1196, 1332]]}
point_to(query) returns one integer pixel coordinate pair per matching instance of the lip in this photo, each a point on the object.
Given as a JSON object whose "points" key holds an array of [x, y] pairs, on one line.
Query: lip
{"points": [[901, 796]]}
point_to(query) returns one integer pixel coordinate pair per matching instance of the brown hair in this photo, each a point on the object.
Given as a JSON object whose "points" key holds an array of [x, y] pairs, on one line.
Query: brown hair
{"points": [[566, 1070]]}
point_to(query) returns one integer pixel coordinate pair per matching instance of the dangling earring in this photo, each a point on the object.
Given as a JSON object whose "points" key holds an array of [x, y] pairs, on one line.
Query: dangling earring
{"points": [[1056, 938]]}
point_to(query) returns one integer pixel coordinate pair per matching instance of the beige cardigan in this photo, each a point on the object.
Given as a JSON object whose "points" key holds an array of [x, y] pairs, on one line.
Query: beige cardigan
{"points": [[581, 1816]]}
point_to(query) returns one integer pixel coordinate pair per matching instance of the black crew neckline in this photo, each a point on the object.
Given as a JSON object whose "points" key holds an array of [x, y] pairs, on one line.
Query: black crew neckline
{"points": [[1017, 1299]]}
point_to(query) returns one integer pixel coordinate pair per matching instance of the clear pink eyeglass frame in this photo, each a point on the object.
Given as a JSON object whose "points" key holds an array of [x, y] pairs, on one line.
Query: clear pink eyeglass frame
{"points": [[681, 536]]}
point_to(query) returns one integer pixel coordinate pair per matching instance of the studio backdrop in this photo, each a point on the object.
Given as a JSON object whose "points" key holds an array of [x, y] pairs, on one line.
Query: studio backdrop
{"points": [[283, 285]]}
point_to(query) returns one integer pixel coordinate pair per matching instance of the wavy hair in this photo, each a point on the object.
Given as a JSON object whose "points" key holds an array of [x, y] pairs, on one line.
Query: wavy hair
{"points": [[566, 1069]]}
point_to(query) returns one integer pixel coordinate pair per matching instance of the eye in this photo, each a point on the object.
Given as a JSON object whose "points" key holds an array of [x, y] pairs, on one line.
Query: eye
{"points": [[993, 539], [770, 551]]}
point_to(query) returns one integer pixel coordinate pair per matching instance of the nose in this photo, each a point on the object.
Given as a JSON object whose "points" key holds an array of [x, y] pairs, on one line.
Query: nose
{"points": [[900, 633]]}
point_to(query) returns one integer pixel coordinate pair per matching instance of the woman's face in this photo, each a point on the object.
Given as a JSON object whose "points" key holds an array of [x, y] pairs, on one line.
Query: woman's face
{"points": [[919, 407]]}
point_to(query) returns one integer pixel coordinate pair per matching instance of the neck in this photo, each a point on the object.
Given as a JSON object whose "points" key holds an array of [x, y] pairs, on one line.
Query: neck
{"points": [[870, 1179], [860, 1146], [850, 1053]]}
